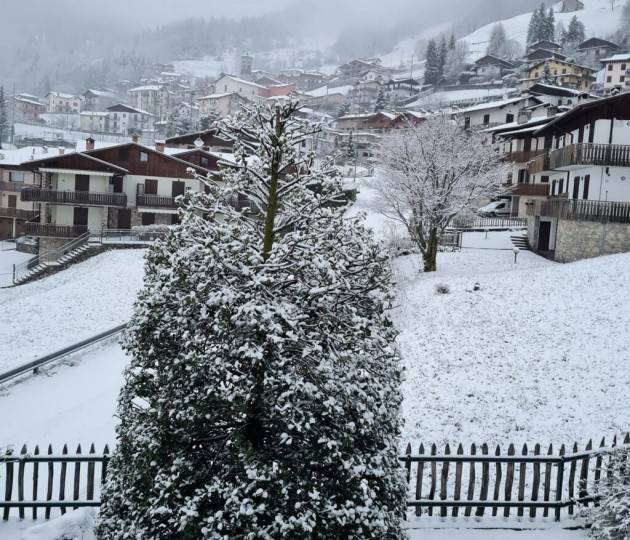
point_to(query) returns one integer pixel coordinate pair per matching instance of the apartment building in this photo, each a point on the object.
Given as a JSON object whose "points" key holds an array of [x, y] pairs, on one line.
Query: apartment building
{"points": [[155, 99], [616, 72], [116, 187], [58, 102], [127, 120], [28, 108], [221, 105]]}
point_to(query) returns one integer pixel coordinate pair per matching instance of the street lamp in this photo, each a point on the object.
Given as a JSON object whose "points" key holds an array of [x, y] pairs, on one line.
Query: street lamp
{"points": [[516, 251]]}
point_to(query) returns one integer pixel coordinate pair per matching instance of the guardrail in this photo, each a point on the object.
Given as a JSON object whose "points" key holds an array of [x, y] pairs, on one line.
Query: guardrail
{"points": [[59, 355], [73, 197]]}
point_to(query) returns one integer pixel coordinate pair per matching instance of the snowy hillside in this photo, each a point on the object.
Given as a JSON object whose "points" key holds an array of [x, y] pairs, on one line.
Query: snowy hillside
{"points": [[598, 17]]}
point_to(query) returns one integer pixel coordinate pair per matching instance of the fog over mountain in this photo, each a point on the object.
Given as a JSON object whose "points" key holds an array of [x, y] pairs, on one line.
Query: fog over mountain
{"points": [[69, 43]]}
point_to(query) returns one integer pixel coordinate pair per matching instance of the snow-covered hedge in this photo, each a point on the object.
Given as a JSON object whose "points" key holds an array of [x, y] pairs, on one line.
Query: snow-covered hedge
{"points": [[611, 519]]}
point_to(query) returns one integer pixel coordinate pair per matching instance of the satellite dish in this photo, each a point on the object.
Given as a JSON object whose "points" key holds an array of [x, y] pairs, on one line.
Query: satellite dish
{"points": [[198, 142]]}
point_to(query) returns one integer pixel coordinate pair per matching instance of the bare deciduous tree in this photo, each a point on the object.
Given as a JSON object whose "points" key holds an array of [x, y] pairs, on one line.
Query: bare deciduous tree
{"points": [[432, 172]]}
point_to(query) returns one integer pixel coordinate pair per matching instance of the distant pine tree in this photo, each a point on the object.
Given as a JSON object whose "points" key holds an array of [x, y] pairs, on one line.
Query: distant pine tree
{"points": [[443, 54], [497, 40], [534, 28], [575, 34], [452, 42], [550, 26], [432, 70]]}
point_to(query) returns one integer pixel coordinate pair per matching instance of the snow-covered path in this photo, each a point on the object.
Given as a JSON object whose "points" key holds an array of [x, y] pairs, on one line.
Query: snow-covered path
{"points": [[87, 298]]}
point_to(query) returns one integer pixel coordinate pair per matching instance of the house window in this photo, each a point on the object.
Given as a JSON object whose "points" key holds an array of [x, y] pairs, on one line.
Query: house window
{"points": [[564, 71], [622, 78], [536, 75], [623, 67], [561, 187], [148, 218], [16, 176], [150, 187], [553, 188], [144, 156], [486, 119], [610, 67], [544, 179], [576, 187], [509, 118]]}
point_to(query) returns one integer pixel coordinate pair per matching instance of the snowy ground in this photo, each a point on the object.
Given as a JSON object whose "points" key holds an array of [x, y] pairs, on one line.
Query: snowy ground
{"points": [[8, 257], [496, 534], [539, 354], [88, 298]]}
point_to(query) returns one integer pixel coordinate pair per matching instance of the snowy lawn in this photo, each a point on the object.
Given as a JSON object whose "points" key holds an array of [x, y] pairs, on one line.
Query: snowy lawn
{"points": [[71, 403], [495, 534], [9, 257], [87, 298], [538, 354]]}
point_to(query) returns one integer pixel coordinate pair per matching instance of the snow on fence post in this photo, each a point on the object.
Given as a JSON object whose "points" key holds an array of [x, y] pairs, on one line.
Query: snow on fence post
{"points": [[559, 483], [35, 480], [21, 482], [62, 479], [77, 478], [8, 489]]}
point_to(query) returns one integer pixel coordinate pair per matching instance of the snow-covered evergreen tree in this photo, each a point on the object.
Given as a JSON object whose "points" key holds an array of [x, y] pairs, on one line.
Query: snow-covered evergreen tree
{"points": [[546, 76], [533, 30], [497, 40], [262, 399], [574, 35], [549, 32], [443, 55], [611, 519], [456, 62], [432, 66], [179, 123], [344, 109]]}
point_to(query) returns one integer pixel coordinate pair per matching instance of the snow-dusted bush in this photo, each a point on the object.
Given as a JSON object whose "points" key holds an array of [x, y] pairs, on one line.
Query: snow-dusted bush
{"points": [[442, 288], [611, 519], [262, 399]]}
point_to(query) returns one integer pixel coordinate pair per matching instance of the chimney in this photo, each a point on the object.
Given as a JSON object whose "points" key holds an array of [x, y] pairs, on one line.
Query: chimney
{"points": [[552, 110], [89, 144], [135, 138], [62, 151], [524, 116], [160, 146]]}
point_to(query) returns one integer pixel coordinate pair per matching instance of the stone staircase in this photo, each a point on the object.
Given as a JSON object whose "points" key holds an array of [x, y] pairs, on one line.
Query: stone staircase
{"points": [[49, 261], [520, 241]]}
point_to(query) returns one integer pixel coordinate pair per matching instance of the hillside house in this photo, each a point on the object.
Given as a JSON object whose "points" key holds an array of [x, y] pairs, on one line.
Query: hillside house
{"points": [[98, 100], [57, 102], [116, 187], [494, 112], [538, 55], [492, 67], [562, 73], [28, 108], [546, 45], [221, 105], [94, 121], [594, 49], [209, 140], [155, 99], [14, 213], [378, 121], [585, 160], [616, 72], [126, 120], [228, 84]]}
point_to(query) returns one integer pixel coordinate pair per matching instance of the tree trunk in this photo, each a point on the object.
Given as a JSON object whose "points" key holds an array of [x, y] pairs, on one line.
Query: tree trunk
{"points": [[429, 256]]}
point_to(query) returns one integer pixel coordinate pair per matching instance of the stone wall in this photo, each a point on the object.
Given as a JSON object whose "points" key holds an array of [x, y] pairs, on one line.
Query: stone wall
{"points": [[577, 240]]}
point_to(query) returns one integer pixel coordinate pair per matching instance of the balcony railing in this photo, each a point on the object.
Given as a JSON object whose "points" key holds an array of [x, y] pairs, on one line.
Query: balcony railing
{"points": [[529, 190], [87, 198], [577, 210], [54, 231], [17, 213], [539, 164], [523, 156], [609, 155], [156, 201]]}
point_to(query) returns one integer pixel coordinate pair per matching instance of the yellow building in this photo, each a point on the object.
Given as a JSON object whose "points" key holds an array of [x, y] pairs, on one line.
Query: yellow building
{"points": [[562, 74]]}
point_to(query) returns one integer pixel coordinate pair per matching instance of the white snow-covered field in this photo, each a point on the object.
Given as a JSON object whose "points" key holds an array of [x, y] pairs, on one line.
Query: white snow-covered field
{"points": [[495, 534], [539, 354], [87, 298], [69, 403], [9, 257]]}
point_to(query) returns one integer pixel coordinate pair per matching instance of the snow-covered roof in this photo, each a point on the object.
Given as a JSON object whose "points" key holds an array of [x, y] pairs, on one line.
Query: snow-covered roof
{"points": [[121, 107], [93, 113], [495, 104], [617, 58], [241, 81], [218, 96], [327, 90], [23, 99], [147, 88], [100, 93], [61, 95]]}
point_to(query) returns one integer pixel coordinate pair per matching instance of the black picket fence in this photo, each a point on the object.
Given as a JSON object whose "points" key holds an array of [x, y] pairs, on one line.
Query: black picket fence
{"points": [[480, 483]]}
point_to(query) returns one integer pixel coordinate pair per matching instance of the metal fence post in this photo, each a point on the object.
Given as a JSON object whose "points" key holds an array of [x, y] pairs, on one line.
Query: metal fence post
{"points": [[559, 482]]}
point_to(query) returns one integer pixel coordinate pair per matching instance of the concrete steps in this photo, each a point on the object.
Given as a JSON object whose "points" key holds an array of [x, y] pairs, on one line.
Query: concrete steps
{"points": [[520, 241], [43, 267]]}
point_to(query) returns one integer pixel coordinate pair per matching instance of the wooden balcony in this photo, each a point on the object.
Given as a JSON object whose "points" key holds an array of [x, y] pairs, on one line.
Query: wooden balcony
{"points": [[538, 164], [77, 198], [156, 201], [607, 155], [579, 210], [528, 190], [18, 213], [54, 231], [523, 156]]}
